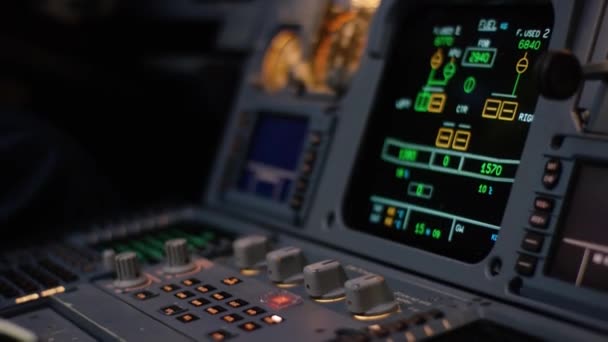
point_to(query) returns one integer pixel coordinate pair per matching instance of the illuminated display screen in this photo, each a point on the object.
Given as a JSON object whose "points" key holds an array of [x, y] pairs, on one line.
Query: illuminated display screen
{"points": [[581, 255], [448, 127], [275, 148]]}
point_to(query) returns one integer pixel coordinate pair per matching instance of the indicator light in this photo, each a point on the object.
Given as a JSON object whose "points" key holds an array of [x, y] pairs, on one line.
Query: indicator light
{"points": [[279, 300]]}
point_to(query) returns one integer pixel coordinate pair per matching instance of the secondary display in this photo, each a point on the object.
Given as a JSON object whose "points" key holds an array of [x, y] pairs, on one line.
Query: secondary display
{"points": [[270, 168], [581, 255], [448, 127]]}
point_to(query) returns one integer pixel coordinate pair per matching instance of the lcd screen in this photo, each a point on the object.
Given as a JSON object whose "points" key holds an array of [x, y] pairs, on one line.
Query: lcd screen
{"points": [[581, 255], [448, 127], [275, 148]]}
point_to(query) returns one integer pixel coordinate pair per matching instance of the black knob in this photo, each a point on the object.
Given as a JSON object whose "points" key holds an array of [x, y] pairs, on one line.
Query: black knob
{"points": [[559, 74]]}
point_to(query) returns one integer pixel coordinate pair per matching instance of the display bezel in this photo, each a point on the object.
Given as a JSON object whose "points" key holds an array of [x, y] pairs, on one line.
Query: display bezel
{"points": [[368, 144]]}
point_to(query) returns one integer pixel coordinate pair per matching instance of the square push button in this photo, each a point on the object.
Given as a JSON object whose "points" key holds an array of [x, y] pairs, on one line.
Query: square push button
{"points": [[214, 310], [553, 165], [205, 288], [249, 326], [544, 204], [171, 310], [237, 303], [187, 318], [221, 295], [533, 242], [231, 318], [539, 220], [190, 282], [273, 319], [231, 281], [144, 295], [184, 294], [525, 265], [219, 335], [199, 302], [254, 311], [170, 288]]}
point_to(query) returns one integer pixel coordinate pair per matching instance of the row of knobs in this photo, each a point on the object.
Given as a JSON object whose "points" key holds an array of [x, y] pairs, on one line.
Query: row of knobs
{"points": [[326, 280], [128, 270]]}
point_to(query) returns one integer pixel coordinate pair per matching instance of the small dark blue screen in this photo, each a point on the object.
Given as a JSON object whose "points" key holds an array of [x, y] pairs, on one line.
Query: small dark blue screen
{"points": [[274, 152]]}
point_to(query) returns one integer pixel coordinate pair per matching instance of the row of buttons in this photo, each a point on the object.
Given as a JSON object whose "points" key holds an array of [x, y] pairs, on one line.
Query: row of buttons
{"points": [[382, 331], [221, 335], [310, 157], [230, 281], [540, 218]]}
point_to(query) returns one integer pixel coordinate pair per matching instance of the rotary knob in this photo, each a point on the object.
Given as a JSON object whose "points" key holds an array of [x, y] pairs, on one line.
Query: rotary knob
{"points": [[369, 295], [285, 265], [325, 279], [107, 257], [128, 270], [250, 251], [178, 257]]}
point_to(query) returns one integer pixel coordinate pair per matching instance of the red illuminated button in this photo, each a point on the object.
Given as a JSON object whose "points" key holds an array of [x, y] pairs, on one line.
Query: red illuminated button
{"points": [[281, 300]]}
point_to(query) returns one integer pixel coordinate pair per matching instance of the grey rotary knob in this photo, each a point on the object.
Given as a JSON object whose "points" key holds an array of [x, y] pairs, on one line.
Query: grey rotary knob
{"points": [[369, 295], [107, 257], [324, 279], [128, 270], [177, 257], [285, 265], [250, 251]]}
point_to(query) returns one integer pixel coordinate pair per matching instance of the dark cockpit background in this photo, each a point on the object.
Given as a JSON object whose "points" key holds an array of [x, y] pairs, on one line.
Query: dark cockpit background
{"points": [[107, 108]]}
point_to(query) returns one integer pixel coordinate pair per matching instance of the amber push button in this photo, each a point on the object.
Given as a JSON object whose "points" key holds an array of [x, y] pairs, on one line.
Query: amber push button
{"points": [[205, 288], [170, 288], [221, 295], [231, 281], [190, 282], [144, 295], [187, 318], [273, 319], [171, 310], [219, 335], [249, 326], [237, 303], [184, 294], [199, 302], [214, 310], [231, 318], [254, 311]]}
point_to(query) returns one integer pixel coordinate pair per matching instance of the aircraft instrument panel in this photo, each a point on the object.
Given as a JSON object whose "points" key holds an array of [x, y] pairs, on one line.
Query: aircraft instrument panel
{"points": [[395, 170]]}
